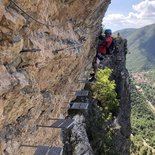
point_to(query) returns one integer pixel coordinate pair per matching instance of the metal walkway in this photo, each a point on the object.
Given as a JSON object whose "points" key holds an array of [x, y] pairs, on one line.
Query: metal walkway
{"points": [[60, 123], [82, 93], [45, 150], [79, 106]]}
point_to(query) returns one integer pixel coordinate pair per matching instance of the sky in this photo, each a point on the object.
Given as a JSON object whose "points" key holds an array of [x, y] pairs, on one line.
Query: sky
{"points": [[129, 14]]}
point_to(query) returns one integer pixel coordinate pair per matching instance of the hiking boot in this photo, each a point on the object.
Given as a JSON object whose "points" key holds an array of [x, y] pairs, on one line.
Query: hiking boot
{"points": [[92, 79], [92, 74]]}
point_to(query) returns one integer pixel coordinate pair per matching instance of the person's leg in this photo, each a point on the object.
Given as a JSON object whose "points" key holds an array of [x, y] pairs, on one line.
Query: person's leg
{"points": [[93, 66], [96, 67]]}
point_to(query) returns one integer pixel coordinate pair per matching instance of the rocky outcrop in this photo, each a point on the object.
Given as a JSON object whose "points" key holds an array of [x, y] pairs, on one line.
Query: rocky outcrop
{"points": [[109, 137], [120, 125], [79, 137], [44, 48], [92, 134], [121, 76]]}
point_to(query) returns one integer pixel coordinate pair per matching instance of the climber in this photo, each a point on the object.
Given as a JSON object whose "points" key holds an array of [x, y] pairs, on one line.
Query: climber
{"points": [[107, 40], [102, 49]]}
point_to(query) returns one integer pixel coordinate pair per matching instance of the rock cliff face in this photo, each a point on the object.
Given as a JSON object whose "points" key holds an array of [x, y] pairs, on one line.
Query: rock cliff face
{"points": [[44, 48]]}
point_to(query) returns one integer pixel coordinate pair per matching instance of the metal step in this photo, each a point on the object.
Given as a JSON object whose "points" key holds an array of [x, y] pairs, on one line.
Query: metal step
{"points": [[82, 93], [68, 123], [41, 150], [84, 106], [57, 123], [79, 105], [45, 150], [60, 123], [55, 151]]}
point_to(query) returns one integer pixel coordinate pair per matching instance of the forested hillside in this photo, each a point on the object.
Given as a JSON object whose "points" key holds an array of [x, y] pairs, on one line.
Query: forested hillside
{"points": [[143, 113], [141, 45]]}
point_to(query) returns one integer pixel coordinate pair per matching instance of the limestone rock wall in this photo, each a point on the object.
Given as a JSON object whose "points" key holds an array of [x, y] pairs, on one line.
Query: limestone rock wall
{"points": [[40, 66]]}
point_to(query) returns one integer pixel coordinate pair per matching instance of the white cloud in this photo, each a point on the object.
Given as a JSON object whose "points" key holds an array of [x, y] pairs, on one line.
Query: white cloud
{"points": [[142, 14]]}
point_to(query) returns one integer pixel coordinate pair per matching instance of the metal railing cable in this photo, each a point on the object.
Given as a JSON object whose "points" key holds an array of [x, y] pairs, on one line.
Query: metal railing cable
{"points": [[67, 48], [76, 46], [39, 22]]}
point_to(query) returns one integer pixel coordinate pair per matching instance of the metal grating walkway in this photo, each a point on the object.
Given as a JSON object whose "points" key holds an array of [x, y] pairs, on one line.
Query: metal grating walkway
{"points": [[79, 105], [82, 93], [61, 123]]}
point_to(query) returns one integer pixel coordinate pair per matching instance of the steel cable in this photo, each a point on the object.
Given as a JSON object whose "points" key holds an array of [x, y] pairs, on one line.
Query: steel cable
{"points": [[48, 25]]}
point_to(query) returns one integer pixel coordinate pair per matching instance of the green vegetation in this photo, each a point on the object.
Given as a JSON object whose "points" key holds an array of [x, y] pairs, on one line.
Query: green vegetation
{"points": [[149, 92], [104, 92], [149, 88], [107, 105], [141, 46], [143, 124], [150, 75]]}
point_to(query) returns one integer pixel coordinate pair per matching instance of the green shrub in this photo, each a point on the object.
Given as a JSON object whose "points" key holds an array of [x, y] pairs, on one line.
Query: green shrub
{"points": [[104, 91]]}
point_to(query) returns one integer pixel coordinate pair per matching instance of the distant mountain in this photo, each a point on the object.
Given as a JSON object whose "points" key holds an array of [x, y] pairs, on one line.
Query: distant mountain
{"points": [[141, 45]]}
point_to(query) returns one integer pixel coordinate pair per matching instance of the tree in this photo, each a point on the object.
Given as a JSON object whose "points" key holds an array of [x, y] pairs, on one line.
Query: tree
{"points": [[104, 91]]}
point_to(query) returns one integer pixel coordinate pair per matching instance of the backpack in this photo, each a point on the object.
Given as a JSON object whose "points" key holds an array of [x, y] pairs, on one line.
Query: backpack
{"points": [[100, 40]]}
